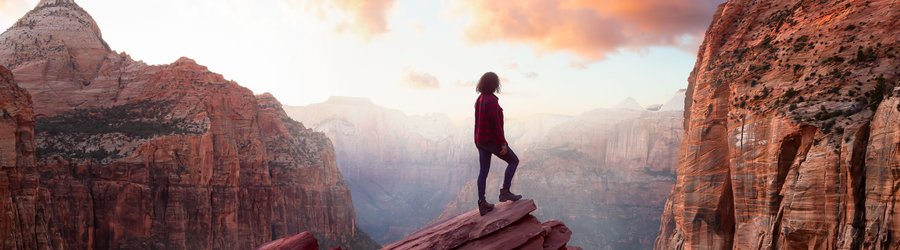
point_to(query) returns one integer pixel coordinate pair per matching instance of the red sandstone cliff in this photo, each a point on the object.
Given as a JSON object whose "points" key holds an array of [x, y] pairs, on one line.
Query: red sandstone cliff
{"points": [[172, 156], [18, 181], [791, 130]]}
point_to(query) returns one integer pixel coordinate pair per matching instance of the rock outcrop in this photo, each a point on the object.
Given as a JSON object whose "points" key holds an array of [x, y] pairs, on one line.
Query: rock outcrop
{"points": [[790, 130], [301, 241], [402, 170], [509, 226], [174, 156], [618, 166]]}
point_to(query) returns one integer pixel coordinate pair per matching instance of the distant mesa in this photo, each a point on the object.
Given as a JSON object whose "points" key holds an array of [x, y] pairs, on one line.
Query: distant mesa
{"points": [[349, 100], [628, 104], [509, 226], [676, 103]]}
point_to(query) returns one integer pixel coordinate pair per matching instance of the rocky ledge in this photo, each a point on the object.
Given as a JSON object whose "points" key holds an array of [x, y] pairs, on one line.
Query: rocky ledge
{"points": [[301, 241], [509, 226]]}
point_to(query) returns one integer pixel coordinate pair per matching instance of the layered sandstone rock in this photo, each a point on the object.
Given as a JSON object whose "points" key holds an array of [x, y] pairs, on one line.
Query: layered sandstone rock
{"points": [[301, 241], [509, 226], [790, 130], [617, 166], [882, 161], [401, 169], [18, 181], [170, 156]]}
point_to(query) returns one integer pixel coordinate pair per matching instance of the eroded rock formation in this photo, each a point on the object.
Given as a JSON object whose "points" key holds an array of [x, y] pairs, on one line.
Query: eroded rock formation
{"points": [[174, 156], [301, 241], [18, 181], [509, 226], [790, 130]]}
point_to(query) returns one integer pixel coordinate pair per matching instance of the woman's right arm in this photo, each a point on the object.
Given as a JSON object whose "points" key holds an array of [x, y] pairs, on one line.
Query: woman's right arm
{"points": [[497, 116]]}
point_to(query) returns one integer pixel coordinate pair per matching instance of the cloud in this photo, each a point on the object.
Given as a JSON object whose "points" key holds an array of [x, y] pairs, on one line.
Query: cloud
{"points": [[590, 28], [421, 80], [366, 18], [527, 74], [464, 84]]}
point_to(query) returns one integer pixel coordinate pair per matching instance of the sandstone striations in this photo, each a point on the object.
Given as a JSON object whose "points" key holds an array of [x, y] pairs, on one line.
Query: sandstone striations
{"points": [[18, 181], [174, 156], [509, 226], [301, 241], [401, 169], [791, 130], [617, 166]]}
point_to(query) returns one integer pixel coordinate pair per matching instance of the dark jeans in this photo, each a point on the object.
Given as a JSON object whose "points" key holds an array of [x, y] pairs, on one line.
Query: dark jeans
{"points": [[484, 153]]}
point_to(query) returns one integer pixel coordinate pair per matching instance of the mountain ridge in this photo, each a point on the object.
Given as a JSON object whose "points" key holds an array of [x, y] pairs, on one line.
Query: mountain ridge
{"points": [[130, 155]]}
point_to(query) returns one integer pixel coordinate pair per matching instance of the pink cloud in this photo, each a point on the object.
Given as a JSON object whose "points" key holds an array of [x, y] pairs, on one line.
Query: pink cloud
{"points": [[421, 80], [367, 18], [590, 28]]}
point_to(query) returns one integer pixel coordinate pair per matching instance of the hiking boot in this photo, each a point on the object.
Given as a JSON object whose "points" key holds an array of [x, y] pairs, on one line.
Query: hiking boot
{"points": [[506, 195], [484, 207]]}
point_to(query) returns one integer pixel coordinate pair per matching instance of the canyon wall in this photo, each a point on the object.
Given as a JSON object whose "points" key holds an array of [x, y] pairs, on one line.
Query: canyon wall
{"points": [[130, 155], [791, 130], [18, 182]]}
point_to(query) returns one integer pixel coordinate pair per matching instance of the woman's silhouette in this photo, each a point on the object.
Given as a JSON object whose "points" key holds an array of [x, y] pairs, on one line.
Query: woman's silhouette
{"points": [[490, 140]]}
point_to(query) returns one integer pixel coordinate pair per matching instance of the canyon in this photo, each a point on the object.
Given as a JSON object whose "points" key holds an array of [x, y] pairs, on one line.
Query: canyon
{"points": [[107, 152], [792, 130], [605, 174], [401, 169], [406, 170]]}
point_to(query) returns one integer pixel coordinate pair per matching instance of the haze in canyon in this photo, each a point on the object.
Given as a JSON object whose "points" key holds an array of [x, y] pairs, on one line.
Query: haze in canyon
{"points": [[406, 171]]}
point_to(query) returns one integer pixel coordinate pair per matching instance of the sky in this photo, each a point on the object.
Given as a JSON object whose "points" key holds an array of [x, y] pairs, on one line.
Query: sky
{"points": [[419, 56]]}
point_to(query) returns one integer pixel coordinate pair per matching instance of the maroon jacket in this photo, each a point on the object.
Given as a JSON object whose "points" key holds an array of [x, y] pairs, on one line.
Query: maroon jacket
{"points": [[489, 121]]}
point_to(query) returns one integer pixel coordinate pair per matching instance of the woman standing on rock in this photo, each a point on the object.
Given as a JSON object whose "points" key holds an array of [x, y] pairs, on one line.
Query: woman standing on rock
{"points": [[489, 140]]}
